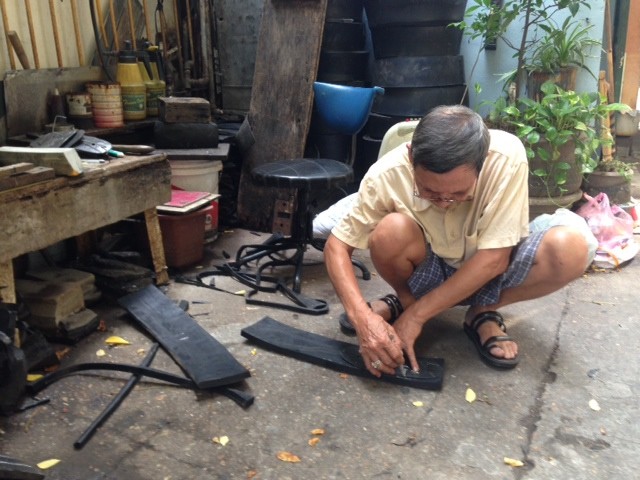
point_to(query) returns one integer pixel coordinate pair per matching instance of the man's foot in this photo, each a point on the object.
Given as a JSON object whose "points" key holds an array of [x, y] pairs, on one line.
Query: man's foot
{"points": [[388, 307], [487, 331]]}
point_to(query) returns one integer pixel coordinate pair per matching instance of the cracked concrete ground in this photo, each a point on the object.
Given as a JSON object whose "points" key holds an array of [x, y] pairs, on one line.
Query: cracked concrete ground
{"points": [[577, 345]]}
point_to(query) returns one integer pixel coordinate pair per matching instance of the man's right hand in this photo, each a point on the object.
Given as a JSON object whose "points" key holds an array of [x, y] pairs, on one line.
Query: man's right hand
{"points": [[380, 345]]}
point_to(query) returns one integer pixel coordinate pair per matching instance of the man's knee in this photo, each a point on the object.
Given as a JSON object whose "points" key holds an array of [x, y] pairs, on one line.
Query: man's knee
{"points": [[396, 231], [566, 250]]}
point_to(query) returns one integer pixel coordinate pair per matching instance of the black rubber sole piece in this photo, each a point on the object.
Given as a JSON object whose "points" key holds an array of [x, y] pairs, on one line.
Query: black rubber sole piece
{"points": [[207, 362], [336, 355]]}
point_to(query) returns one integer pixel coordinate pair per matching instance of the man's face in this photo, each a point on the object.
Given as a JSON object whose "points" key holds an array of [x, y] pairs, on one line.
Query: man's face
{"points": [[445, 189]]}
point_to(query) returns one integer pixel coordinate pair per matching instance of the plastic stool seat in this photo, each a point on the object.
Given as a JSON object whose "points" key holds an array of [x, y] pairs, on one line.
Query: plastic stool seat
{"points": [[303, 173]]}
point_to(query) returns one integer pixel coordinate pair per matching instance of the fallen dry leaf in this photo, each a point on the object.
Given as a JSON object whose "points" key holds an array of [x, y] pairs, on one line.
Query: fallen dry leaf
{"points": [[314, 441], [512, 462], [317, 431], [116, 341], [594, 405], [102, 326], [223, 440], [288, 457], [254, 351], [100, 353], [343, 375], [34, 377], [63, 353], [417, 403], [242, 293], [470, 395], [251, 474], [48, 463]]}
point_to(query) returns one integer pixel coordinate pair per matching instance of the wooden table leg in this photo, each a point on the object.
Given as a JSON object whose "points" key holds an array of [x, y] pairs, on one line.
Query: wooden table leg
{"points": [[155, 246], [7, 284]]}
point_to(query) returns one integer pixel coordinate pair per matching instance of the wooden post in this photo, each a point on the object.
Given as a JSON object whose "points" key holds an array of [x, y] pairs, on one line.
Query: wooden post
{"points": [[78, 32], [7, 283], [56, 35], [156, 246], [32, 35], [631, 69], [5, 25]]}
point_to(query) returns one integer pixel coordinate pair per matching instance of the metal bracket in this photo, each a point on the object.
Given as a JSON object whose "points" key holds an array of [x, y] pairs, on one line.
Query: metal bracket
{"points": [[283, 213]]}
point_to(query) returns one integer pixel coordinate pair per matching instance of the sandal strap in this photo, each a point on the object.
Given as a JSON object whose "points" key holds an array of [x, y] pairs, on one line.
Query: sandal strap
{"points": [[395, 307], [490, 316], [492, 341]]}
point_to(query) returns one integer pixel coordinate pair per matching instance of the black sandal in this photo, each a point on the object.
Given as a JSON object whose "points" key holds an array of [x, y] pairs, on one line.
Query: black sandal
{"points": [[484, 349], [395, 307]]}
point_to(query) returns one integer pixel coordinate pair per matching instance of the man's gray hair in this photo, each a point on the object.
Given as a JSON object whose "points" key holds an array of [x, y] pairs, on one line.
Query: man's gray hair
{"points": [[450, 136]]}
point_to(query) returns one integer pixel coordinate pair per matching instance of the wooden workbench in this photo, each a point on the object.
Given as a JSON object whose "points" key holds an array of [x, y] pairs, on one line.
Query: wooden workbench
{"points": [[39, 215]]}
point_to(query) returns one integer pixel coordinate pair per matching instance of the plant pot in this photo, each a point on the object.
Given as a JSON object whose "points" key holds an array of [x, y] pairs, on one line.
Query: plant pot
{"points": [[617, 188], [540, 205], [548, 188], [565, 78]]}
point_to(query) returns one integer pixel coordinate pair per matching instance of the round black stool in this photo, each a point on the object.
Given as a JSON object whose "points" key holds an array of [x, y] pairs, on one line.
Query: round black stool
{"points": [[305, 175]]}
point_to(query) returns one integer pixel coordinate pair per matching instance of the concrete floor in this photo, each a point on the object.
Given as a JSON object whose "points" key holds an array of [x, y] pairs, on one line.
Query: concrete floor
{"points": [[577, 345]]}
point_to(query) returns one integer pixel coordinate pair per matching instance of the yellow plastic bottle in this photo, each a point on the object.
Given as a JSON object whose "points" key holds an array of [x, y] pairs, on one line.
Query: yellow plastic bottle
{"points": [[156, 87], [134, 91]]}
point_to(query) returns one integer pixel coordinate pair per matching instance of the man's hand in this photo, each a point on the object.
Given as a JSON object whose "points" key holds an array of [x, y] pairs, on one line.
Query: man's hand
{"points": [[380, 345], [408, 330]]}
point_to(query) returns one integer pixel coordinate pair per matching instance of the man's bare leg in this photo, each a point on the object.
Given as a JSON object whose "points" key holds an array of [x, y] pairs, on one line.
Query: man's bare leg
{"points": [[396, 246], [560, 259]]}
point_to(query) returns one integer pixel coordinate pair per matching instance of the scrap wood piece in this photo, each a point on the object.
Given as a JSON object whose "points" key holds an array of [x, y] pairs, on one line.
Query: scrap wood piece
{"points": [[27, 177], [16, 168], [65, 161], [337, 355], [206, 361]]}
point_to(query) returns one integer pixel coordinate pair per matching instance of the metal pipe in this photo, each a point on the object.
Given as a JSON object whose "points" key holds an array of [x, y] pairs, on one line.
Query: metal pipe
{"points": [[32, 35], [116, 401], [5, 24], [77, 31], [132, 30], [56, 36], [178, 41], [190, 31]]}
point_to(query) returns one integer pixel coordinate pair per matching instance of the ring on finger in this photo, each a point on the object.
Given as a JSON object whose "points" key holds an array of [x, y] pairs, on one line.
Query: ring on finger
{"points": [[377, 364]]}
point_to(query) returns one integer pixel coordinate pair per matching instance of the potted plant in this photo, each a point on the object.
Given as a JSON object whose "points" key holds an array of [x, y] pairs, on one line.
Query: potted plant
{"points": [[558, 55], [560, 134], [493, 20]]}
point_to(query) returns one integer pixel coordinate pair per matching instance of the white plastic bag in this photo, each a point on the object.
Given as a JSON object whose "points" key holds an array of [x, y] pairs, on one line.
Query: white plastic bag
{"points": [[612, 227]]}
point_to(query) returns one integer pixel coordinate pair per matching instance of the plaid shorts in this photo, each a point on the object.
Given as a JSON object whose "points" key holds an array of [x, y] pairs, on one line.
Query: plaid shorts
{"points": [[434, 271]]}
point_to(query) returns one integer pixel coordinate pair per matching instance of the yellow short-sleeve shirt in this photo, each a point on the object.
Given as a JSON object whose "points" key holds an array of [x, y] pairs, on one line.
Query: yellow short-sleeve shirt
{"points": [[498, 215]]}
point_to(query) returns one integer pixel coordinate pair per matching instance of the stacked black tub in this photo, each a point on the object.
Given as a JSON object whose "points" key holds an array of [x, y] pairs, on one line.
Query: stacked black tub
{"points": [[416, 59], [344, 60]]}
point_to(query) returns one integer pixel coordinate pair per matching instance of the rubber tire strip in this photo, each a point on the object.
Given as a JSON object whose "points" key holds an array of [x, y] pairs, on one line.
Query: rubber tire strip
{"points": [[337, 355], [205, 360]]}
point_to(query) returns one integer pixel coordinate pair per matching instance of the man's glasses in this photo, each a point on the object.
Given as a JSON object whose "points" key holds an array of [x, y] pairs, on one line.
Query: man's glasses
{"points": [[436, 198]]}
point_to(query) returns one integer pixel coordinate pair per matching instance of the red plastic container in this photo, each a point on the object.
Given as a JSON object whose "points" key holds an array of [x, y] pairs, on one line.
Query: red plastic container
{"points": [[183, 237]]}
